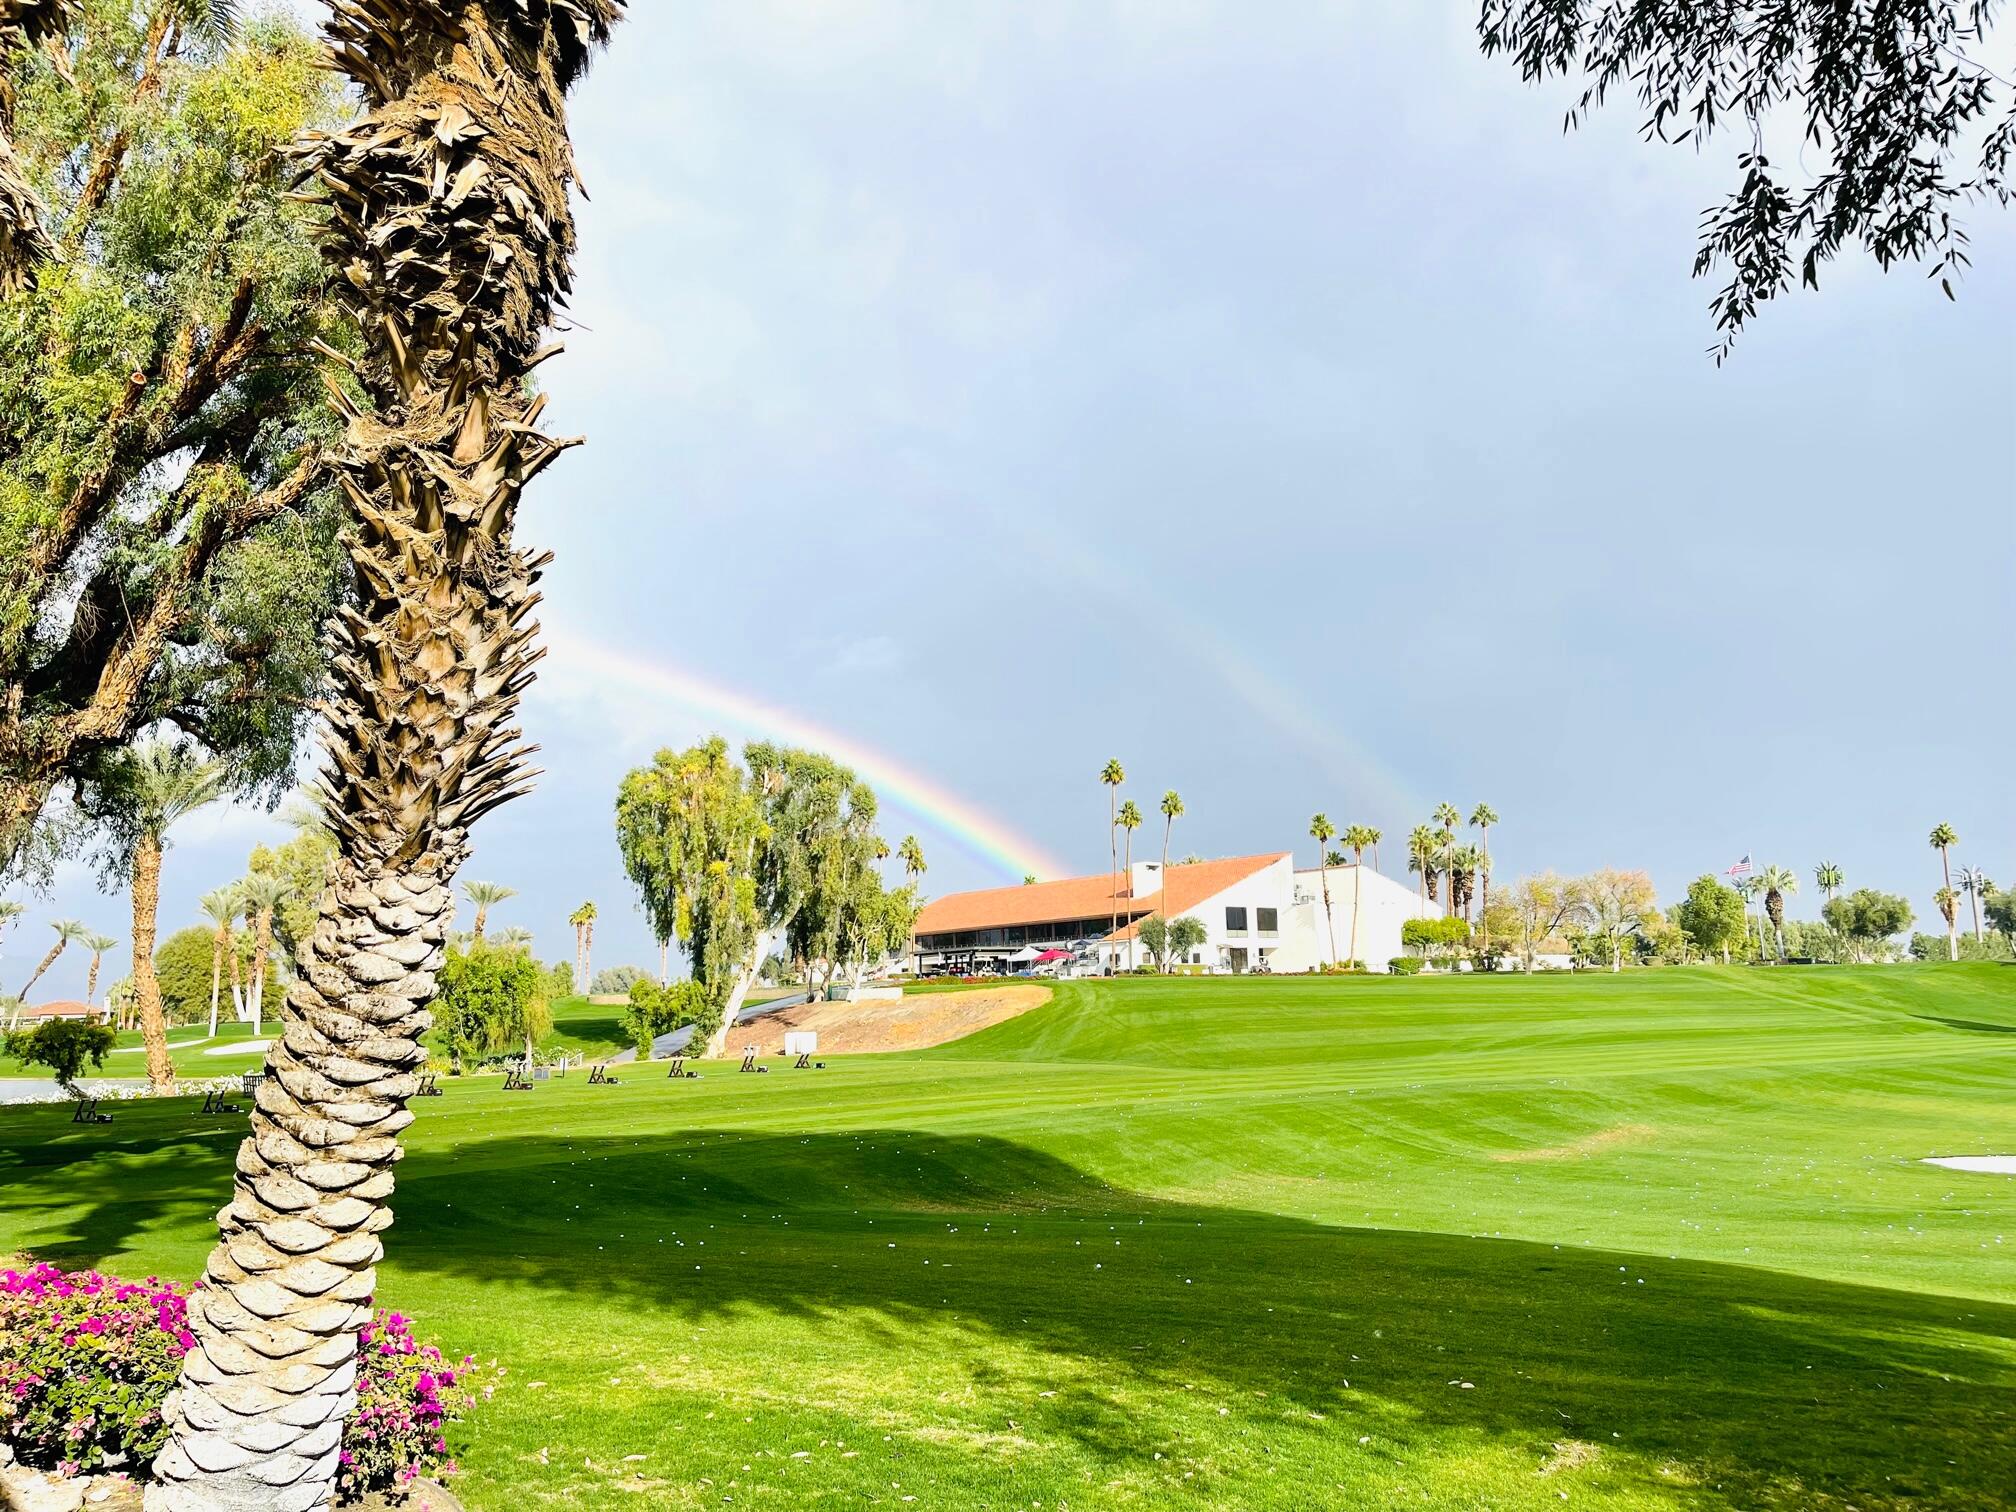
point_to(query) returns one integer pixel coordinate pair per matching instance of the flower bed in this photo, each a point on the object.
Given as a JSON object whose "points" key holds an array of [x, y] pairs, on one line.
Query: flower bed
{"points": [[86, 1361]]}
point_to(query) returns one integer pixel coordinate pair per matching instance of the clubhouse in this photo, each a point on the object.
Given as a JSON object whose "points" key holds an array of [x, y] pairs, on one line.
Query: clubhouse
{"points": [[1259, 914]]}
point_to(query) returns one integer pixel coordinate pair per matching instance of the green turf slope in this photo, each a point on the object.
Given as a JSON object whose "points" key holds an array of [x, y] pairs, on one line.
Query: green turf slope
{"points": [[1655, 1241]]}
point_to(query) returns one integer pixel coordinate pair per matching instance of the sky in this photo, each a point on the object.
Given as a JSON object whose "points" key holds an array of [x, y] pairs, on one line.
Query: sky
{"points": [[1274, 399]]}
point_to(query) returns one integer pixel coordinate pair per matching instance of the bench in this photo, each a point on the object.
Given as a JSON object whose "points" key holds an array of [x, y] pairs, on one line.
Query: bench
{"points": [[427, 1088], [599, 1076], [749, 1062], [806, 1063], [215, 1102], [516, 1081], [679, 1071], [87, 1112]]}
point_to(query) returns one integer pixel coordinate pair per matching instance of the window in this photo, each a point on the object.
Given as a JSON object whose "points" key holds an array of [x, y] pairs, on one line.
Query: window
{"points": [[1235, 921], [1266, 919]]}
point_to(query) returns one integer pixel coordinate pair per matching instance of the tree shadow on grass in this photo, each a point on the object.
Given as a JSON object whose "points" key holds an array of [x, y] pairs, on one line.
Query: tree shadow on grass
{"points": [[1772, 1389], [1972, 1026]]}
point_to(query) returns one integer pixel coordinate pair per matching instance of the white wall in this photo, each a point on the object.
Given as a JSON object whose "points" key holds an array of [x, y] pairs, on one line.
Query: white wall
{"points": [[1384, 906]]}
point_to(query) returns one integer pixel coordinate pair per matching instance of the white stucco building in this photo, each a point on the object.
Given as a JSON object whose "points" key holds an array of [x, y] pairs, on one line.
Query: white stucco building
{"points": [[1259, 914]]}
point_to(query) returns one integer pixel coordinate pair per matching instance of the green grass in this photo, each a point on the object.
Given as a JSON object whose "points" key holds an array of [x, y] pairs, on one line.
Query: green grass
{"points": [[1661, 1240]]}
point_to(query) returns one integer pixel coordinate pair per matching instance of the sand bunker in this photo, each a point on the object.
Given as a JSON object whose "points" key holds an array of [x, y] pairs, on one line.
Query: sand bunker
{"points": [[1588, 1144], [2001, 1165], [909, 1023]]}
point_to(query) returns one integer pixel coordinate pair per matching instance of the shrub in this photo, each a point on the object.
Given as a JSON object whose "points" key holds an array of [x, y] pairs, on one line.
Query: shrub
{"points": [[90, 1359], [656, 1010], [408, 1397], [1405, 965], [87, 1363], [1932, 947], [63, 1046], [617, 979], [488, 998]]}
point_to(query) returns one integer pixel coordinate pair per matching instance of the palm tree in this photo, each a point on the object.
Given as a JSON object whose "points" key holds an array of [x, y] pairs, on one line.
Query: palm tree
{"points": [[1465, 863], [1484, 816], [221, 907], [1421, 858], [583, 920], [1321, 830], [67, 931], [517, 937], [911, 854], [1943, 840], [1975, 884], [1777, 881], [1130, 821], [150, 789], [456, 233], [1447, 818], [485, 895], [1172, 810], [260, 895], [97, 944], [1113, 774], [1358, 837], [1948, 901], [1828, 878]]}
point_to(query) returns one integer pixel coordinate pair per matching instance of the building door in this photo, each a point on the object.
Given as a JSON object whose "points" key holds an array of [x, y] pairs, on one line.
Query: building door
{"points": [[1238, 955]]}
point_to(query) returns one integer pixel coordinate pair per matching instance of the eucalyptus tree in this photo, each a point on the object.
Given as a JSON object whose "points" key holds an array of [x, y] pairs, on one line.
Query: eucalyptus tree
{"points": [[168, 535], [1830, 879], [1112, 775], [1943, 839], [97, 944], [1899, 124], [143, 794], [221, 906], [486, 896], [1358, 837], [1776, 882], [1129, 820], [447, 215], [1483, 817], [1977, 887], [1321, 830]]}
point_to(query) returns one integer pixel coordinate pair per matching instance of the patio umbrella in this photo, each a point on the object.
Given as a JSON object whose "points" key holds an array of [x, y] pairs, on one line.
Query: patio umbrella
{"points": [[1053, 955]]}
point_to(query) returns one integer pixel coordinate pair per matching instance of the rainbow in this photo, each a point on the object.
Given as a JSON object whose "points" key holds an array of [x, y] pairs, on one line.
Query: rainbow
{"points": [[958, 819]]}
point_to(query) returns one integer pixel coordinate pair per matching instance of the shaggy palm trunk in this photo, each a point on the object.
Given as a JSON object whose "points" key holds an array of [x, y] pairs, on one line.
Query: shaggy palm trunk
{"points": [[91, 980], [147, 986], [43, 965], [25, 241], [1946, 907], [1329, 919], [450, 224]]}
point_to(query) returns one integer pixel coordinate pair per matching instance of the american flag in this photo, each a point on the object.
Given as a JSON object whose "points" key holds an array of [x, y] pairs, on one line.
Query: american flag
{"points": [[1741, 868]]}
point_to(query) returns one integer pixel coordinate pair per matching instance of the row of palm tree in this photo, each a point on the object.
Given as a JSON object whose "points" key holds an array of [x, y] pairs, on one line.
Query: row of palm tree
{"points": [[1434, 852], [68, 932], [1360, 838], [1127, 817]]}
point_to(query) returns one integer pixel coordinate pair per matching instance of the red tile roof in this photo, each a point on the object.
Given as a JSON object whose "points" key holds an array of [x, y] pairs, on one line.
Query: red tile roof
{"points": [[1084, 897], [62, 1010]]}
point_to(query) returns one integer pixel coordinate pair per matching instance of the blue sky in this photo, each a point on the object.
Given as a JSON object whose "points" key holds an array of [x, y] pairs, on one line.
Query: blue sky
{"points": [[1285, 407]]}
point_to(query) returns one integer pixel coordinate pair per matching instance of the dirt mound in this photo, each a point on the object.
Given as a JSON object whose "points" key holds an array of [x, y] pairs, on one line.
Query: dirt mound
{"points": [[910, 1023]]}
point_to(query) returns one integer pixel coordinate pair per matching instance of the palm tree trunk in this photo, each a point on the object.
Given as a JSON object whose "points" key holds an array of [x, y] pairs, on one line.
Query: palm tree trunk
{"points": [[216, 976], [1112, 870], [46, 962], [461, 153], [147, 986], [1952, 929], [1329, 919], [1484, 888], [237, 975], [1357, 896], [91, 977], [262, 949], [1128, 873]]}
